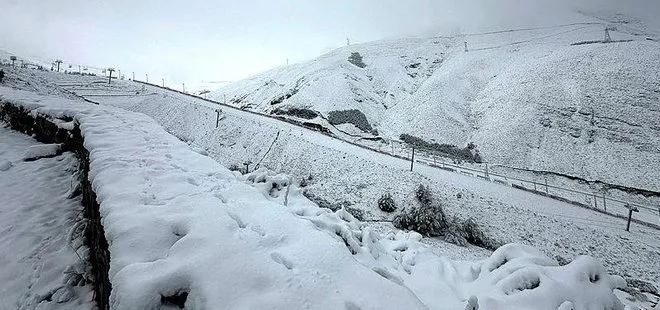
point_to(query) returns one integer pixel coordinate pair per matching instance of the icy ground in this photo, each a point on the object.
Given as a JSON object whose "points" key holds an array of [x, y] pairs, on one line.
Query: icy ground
{"points": [[38, 266], [179, 223]]}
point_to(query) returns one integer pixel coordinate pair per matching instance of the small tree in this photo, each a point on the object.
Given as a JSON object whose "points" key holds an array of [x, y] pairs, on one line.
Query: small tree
{"points": [[356, 59]]}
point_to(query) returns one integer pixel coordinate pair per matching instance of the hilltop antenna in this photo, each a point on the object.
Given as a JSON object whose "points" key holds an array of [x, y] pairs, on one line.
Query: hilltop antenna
{"points": [[607, 33], [348, 42], [13, 59]]}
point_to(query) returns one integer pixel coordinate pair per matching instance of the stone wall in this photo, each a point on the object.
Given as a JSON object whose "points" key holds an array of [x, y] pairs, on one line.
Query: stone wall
{"points": [[45, 131]]}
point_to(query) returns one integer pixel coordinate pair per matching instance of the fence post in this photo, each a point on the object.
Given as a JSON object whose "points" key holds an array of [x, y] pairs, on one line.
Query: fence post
{"points": [[486, 172], [434, 160], [534, 185], [412, 159], [631, 209], [595, 201], [546, 186], [392, 143], [604, 202], [217, 117]]}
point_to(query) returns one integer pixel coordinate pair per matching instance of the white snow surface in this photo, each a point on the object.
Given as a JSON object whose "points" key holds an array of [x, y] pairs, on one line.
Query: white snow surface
{"points": [[527, 99], [42, 259], [41, 150], [178, 221]]}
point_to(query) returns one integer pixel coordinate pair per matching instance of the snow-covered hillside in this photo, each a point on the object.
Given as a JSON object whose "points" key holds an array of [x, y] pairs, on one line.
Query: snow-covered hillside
{"points": [[179, 224], [526, 98]]}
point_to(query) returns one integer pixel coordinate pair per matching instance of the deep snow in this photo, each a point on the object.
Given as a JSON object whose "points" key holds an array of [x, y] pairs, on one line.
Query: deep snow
{"points": [[42, 259], [177, 221]]}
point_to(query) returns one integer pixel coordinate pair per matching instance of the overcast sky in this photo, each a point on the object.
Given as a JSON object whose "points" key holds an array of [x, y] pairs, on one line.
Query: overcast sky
{"points": [[194, 40]]}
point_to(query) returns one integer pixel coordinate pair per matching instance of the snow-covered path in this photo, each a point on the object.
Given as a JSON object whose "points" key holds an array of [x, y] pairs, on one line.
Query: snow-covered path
{"points": [[39, 268]]}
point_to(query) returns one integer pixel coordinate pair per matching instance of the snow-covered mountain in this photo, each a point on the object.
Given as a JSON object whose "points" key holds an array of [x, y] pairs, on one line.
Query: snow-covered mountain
{"points": [[551, 98]]}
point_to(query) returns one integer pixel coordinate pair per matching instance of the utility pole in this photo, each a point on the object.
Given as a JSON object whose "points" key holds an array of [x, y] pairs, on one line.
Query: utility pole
{"points": [[79, 69], [412, 159], [163, 80], [348, 42], [183, 87], [58, 62], [13, 59], [146, 77], [110, 70], [133, 76]]}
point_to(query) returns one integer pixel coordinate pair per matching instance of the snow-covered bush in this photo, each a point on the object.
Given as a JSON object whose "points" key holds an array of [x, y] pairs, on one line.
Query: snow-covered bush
{"points": [[297, 112], [427, 220], [235, 167], [386, 203], [468, 153], [468, 231], [304, 182], [356, 59], [423, 195], [354, 116]]}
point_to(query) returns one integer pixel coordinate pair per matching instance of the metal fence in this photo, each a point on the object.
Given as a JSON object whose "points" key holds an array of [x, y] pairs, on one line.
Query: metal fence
{"points": [[596, 201]]}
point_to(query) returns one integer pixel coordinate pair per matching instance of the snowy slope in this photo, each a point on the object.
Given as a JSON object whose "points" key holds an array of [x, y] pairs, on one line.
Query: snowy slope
{"points": [[527, 98], [180, 222], [346, 175]]}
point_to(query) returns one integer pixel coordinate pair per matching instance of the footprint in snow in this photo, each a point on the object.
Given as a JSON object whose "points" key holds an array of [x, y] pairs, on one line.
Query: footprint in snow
{"points": [[278, 258]]}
